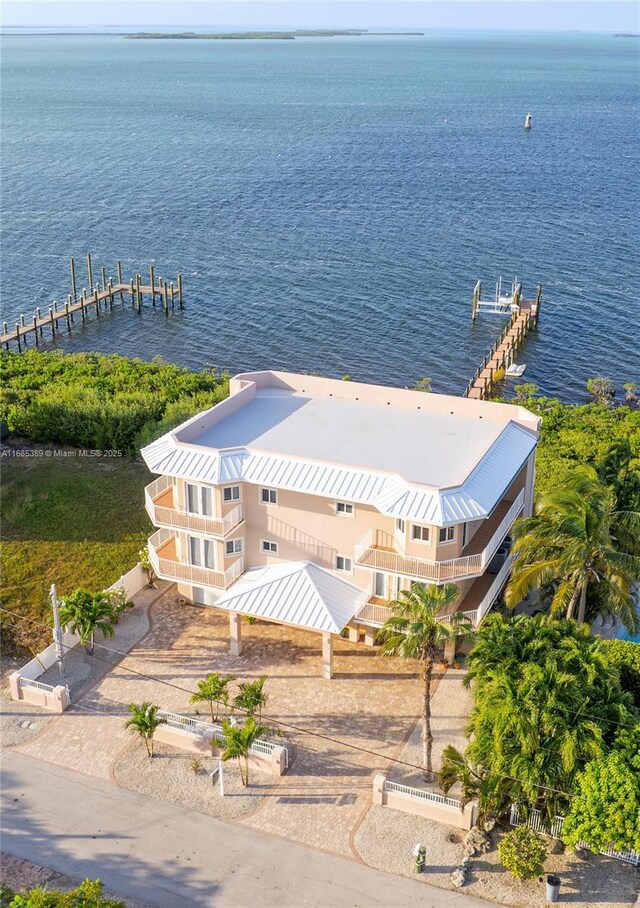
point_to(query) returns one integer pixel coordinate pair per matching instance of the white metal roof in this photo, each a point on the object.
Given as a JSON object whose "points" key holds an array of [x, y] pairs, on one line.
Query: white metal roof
{"points": [[390, 494], [297, 592]]}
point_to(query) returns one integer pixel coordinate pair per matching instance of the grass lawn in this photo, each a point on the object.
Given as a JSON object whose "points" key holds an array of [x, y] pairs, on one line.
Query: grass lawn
{"points": [[76, 521]]}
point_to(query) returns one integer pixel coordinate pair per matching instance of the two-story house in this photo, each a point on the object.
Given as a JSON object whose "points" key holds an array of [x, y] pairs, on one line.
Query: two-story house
{"points": [[311, 501]]}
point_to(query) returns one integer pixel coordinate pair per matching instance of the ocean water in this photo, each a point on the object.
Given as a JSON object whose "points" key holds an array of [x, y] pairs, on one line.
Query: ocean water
{"points": [[331, 203]]}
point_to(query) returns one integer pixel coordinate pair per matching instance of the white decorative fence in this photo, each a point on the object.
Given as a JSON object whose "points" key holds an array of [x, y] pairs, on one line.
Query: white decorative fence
{"points": [[421, 802], [178, 730], [535, 820]]}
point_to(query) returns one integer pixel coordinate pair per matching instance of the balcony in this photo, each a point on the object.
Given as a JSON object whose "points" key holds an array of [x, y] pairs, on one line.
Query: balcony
{"points": [[163, 555], [478, 601], [160, 502], [473, 561]]}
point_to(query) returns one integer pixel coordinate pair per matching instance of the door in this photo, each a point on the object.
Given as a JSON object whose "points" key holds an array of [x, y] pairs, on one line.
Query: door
{"points": [[380, 585], [202, 553]]}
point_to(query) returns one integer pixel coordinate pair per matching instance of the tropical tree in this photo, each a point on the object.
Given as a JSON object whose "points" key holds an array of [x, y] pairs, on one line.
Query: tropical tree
{"points": [[85, 613], [601, 389], [577, 540], [236, 742], [416, 630], [523, 852], [605, 811], [252, 698], [546, 702], [492, 793], [213, 690], [524, 391], [144, 721]]}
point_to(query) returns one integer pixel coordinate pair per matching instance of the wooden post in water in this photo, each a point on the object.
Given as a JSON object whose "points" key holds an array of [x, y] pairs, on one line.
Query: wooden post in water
{"points": [[72, 269], [172, 291], [103, 275], [66, 309], [89, 271], [138, 293], [538, 299], [152, 285], [82, 304], [110, 289], [180, 291], [35, 330], [18, 336], [97, 302], [165, 291], [119, 273], [53, 324], [69, 304]]}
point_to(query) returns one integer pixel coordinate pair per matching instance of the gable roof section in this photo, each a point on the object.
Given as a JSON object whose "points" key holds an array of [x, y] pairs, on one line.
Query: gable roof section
{"points": [[297, 592], [390, 494]]}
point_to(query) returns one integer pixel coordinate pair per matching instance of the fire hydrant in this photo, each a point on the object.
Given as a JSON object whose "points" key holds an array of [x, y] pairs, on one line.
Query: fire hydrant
{"points": [[420, 858]]}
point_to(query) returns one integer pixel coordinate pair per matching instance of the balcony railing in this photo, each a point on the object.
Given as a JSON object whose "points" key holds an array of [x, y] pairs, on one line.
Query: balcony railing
{"points": [[367, 554], [374, 614], [163, 557], [160, 504]]}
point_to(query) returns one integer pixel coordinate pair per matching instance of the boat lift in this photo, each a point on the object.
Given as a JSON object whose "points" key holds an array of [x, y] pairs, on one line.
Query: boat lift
{"points": [[505, 301]]}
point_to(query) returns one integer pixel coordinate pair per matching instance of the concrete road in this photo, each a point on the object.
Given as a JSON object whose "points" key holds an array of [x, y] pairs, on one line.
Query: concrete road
{"points": [[171, 857]]}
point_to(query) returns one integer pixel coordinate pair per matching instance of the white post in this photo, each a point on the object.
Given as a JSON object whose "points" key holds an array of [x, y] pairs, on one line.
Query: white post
{"points": [[235, 630], [221, 777], [327, 656], [57, 630]]}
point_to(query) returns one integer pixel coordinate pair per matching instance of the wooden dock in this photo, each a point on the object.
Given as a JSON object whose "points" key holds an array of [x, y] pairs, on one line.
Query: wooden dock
{"points": [[100, 298], [524, 317]]}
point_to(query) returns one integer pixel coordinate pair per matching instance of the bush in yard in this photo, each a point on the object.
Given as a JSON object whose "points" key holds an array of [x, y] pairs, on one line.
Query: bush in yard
{"points": [[87, 895], [605, 811], [625, 656], [523, 852]]}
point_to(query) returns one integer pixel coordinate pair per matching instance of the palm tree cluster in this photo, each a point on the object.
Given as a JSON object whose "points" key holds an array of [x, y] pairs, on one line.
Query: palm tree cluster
{"points": [[144, 721], [546, 702], [581, 547], [236, 743], [214, 690], [418, 631]]}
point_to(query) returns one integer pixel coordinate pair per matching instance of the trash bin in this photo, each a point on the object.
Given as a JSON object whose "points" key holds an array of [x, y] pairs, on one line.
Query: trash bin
{"points": [[553, 887]]}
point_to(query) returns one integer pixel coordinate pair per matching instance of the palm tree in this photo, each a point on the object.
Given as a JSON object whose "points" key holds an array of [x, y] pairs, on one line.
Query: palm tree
{"points": [[252, 697], [85, 613], [492, 793], [577, 540], [144, 721], [213, 690], [416, 631], [236, 743]]}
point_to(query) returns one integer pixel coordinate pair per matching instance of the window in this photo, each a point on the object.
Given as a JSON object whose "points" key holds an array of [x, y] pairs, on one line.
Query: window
{"points": [[447, 534], [419, 533], [199, 500], [399, 525], [268, 496], [345, 508], [231, 493], [234, 547], [343, 563], [270, 547], [202, 552]]}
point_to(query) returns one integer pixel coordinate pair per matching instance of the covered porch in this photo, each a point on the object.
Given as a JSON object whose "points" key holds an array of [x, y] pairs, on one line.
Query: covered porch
{"points": [[297, 594]]}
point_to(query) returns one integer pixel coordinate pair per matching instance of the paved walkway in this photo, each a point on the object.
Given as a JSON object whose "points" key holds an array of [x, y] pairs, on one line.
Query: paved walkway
{"points": [[158, 853]]}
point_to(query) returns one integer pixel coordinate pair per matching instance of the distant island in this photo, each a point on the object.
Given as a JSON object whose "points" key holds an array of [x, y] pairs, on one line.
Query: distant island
{"points": [[266, 36]]}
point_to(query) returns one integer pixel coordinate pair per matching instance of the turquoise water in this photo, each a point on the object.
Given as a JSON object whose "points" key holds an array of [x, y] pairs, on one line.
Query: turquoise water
{"points": [[332, 203]]}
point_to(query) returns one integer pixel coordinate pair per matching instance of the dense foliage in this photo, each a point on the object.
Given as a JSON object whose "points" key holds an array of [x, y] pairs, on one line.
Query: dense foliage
{"points": [[523, 852], [582, 547], [625, 656], [91, 400], [596, 434], [87, 895], [546, 703], [606, 809]]}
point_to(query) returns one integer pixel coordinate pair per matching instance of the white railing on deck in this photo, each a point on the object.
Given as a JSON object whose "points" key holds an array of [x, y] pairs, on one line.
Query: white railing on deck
{"points": [[172, 569], [421, 793], [367, 555], [178, 518], [370, 613], [535, 820]]}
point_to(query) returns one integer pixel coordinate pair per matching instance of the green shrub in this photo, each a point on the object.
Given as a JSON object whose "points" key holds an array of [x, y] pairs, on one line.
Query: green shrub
{"points": [[625, 656], [523, 852], [90, 400]]}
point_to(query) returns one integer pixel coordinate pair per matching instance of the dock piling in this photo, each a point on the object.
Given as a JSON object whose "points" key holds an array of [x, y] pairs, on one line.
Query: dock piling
{"points": [[89, 271], [180, 291], [72, 270], [152, 285]]}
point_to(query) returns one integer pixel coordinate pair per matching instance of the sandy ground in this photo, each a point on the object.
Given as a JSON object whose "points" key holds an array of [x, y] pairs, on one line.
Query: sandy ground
{"points": [[386, 838], [168, 775]]}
